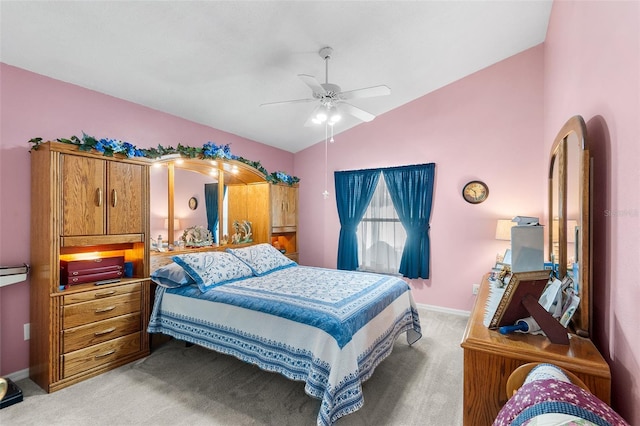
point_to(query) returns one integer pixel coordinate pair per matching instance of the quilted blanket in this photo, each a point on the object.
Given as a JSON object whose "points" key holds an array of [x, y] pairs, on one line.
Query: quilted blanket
{"points": [[325, 327]]}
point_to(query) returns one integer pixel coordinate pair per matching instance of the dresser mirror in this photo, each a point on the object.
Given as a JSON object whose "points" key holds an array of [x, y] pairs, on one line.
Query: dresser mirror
{"points": [[175, 181], [569, 227]]}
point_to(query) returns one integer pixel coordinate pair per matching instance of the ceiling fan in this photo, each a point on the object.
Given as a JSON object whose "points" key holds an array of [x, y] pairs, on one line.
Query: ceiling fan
{"points": [[331, 99]]}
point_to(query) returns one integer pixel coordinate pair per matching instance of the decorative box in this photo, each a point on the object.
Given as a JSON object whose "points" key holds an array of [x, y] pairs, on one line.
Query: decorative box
{"points": [[84, 271]]}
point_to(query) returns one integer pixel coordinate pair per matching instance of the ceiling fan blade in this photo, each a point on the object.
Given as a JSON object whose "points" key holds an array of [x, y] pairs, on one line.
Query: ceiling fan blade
{"points": [[356, 112], [295, 101], [311, 81], [367, 92]]}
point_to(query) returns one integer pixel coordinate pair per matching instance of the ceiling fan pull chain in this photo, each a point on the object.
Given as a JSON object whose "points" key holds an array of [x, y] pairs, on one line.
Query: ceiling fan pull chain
{"points": [[325, 194]]}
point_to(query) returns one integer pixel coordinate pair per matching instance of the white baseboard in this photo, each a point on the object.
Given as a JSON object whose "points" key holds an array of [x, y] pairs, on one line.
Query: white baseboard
{"points": [[18, 375], [444, 310]]}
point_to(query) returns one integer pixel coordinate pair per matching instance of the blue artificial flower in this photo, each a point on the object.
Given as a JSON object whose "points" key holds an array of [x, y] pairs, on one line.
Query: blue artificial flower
{"points": [[212, 150], [128, 149], [99, 146], [226, 151], [209, 149], [282, 176], [107, 144]]}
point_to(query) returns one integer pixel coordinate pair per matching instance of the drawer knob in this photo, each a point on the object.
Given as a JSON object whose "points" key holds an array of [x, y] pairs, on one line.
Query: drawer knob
{"points": [[107, 331], [107, 309], [111, 352], [105, 294]]}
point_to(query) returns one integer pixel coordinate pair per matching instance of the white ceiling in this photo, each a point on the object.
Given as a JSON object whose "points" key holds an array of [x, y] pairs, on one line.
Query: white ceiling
{"points": [[215, 62]]}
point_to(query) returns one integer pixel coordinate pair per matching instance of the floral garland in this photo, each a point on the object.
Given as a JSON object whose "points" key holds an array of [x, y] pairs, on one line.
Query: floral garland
{"points": [[209, 151]]}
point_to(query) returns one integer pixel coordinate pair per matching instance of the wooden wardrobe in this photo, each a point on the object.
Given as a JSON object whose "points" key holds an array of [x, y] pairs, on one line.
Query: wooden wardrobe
{"points": [[85, 205]]}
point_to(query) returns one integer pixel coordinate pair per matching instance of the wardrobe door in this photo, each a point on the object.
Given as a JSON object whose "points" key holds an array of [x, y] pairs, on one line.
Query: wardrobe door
{"points": [[284, 201], [125, 198], [83, 192]]}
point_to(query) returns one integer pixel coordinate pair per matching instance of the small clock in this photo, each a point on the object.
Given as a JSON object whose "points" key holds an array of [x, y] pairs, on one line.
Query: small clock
{"points": [[193, 203], [475, 192]]}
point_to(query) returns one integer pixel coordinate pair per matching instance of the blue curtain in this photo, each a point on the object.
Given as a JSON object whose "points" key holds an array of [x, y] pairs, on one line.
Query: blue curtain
{"points": [[411, 190], [211, 204], [354, 190]]}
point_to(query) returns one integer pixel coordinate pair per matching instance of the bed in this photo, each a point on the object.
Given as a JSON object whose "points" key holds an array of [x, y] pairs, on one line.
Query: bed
{"points": [[327, 328]]}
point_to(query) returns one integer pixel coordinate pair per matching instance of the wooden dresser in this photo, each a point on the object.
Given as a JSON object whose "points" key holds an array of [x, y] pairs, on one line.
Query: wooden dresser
{"points": [[85, 206], [490, 357]]}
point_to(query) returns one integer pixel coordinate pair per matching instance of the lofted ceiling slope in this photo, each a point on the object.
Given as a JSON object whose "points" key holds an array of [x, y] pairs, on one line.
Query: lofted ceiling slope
{"points": [[215, 62]]}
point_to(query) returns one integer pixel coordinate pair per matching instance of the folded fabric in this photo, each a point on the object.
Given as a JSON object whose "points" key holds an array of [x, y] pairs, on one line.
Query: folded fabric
{"points": [[547, 390]]}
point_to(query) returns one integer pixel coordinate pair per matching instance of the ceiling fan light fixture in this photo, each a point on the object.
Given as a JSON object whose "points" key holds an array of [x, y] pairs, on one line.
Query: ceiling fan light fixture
{"points": [[334, 116], [320, 117], [331, 99], [328, 115]]}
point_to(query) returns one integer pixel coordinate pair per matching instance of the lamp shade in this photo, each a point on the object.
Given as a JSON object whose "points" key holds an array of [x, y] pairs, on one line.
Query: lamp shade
{"points": [[176, 224], [503, 229]]}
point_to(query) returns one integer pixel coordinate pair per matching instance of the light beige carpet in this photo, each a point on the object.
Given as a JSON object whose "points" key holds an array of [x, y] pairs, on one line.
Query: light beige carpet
{"points": [[178, 385]]}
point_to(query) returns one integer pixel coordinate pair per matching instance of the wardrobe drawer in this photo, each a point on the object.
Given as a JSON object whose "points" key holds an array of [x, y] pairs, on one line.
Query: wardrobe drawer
{"points": [[100, 354], [98, 332], [98, 310], [101, 293]]}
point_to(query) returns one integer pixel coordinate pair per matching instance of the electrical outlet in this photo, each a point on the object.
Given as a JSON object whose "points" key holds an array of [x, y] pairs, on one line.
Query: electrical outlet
{"points": [[27, 331], [475, 288]]}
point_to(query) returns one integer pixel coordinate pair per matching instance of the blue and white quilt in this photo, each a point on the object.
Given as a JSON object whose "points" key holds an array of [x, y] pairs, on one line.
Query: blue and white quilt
{"points": [[325, 327]]}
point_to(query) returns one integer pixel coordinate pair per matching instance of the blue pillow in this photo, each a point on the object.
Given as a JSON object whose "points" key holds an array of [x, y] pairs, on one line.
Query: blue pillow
{"points": [[262, 258], [171, 276], [213, 268]]}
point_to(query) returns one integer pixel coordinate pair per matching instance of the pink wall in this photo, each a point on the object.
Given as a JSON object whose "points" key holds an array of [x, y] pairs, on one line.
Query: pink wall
{"points": [[487, 126], [496, 125], [37, 106], [592, 68]]}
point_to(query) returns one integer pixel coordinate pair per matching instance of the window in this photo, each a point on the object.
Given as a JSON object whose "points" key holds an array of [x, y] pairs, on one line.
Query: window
{"points": [[381, 236], [411, 189]]}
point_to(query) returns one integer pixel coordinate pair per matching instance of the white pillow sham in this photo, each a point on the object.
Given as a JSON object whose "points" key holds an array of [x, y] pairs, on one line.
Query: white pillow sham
{"points": [[213, 268], [262, 258], [171, 276]]}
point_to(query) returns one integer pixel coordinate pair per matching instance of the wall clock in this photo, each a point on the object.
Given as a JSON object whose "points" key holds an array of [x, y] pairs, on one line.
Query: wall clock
{"points": [[193, 203], [475, 192]]}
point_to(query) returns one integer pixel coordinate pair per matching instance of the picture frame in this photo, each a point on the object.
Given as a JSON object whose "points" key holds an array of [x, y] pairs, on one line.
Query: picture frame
{"points": [[510, 309], [193, 203]]}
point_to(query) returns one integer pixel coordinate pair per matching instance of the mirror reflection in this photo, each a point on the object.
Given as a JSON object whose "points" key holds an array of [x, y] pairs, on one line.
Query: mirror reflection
{"points": [[573, 198], [187, 185], [554, 205], [217, 197], [569, 211]]}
